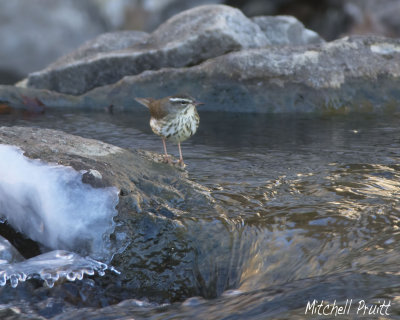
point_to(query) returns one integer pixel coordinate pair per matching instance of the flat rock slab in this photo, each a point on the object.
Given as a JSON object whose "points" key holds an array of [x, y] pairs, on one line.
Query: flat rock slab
{"points": [[167, 225]]}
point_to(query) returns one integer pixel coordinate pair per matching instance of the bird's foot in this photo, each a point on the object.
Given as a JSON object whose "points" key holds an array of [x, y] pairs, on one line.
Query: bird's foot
{"points": [[167, 159], [181, 163]]}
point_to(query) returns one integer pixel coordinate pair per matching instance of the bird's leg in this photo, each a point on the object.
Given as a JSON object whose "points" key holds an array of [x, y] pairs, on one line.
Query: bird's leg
{"points": [[166, 156], [180, 155]]}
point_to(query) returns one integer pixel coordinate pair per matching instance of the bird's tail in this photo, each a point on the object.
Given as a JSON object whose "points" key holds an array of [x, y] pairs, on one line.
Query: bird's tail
{"points": [[144, 101]]}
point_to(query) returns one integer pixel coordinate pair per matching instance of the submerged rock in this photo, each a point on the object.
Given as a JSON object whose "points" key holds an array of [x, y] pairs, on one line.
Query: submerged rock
{"points": [[166, 229], [186, 39]]}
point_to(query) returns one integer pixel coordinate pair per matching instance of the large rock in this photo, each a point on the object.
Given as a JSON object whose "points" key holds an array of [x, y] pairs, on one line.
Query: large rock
{"points": [[264, 64], [349, 74], [187, 39], [67, 24], [167, 226], [35, 33], [286, 30], [105, 43]]}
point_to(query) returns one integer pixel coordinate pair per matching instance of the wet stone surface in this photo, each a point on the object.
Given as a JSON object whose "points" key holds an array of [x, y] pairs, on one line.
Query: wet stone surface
{"points": [[156, 242]]}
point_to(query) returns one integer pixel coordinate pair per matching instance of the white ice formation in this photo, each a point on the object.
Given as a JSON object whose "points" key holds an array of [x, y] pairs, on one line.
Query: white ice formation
{"points": [[50, 204]]}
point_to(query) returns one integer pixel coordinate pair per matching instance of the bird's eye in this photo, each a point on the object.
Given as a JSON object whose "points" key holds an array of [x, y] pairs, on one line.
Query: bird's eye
{"points": [[183, 103]]}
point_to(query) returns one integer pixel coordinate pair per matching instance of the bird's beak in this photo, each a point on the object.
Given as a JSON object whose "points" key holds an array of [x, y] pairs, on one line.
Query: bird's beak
{"points": [[197, 103]]}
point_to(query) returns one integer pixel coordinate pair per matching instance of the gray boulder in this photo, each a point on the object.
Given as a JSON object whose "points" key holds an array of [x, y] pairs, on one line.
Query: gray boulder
{"points": [[35, 33], [187, 39], [286, 30], [107, 42], [349, 74]]}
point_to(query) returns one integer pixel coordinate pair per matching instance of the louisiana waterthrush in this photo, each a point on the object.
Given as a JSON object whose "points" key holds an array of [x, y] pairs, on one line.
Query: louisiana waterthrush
{"points": [[173, 118]]}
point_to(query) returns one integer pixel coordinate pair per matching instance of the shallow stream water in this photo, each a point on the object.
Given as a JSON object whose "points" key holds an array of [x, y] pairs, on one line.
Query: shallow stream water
{"points": [[314, 201]]}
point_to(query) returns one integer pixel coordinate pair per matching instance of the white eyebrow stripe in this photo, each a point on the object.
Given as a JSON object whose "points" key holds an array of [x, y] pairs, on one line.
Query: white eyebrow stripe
{"points": [[180, 100]]}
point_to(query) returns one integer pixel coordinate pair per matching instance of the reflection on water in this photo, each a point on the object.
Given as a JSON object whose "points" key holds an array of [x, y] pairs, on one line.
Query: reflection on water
{"points": [[314, 203]]}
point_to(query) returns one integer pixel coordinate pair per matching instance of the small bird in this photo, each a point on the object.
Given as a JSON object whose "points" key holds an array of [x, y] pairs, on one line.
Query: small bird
{"points": [[173, 118]]}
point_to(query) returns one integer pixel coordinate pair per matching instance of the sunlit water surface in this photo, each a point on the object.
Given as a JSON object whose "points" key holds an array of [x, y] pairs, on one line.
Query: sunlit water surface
{"points": [[315, 198]]}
